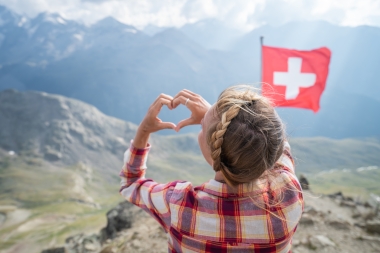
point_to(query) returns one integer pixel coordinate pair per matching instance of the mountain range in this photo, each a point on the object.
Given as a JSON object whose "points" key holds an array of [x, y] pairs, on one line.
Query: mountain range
{"points": [[121, 70]]}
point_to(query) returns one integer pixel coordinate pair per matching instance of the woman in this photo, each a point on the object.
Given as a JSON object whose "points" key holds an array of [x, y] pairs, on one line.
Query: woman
{"points": [[254, 202]]}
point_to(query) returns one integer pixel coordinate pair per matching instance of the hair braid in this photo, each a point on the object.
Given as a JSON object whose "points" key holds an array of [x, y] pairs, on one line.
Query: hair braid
{"points": [[217, 136]]}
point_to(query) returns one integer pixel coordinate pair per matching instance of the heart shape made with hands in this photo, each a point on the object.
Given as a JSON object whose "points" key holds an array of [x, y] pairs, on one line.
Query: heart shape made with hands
{"points": [[197, 105]]}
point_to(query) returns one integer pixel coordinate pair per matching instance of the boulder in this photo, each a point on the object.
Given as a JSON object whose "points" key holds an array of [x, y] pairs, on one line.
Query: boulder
{"points": [[118, 219]]}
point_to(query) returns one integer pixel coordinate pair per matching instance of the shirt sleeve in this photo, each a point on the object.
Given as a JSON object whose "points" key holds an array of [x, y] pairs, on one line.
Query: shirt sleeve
{"points": [[154, 198]]}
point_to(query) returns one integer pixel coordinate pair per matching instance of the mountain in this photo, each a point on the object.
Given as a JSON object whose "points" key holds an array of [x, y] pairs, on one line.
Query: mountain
{"points": [[121, 70], [212, 34]]}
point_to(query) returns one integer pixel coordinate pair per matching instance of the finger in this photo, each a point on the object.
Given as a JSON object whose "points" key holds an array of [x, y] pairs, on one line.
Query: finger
{"points": [[190, 92], [186, 95], [183, 123], [167, 125], [162, 96], [181, 100], [162, 101]]}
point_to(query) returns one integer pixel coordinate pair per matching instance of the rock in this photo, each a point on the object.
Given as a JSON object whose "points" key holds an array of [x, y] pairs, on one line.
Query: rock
{"points": [[319, 241], [83, 244], [373, 226], [295, 243], [304, 182], [368, 238], [109, 249], [136, 243], [348, 203], [363, 212], [336, 195], [118, 219], [55, 250], [342, 225], [310, 210], [306, 220]]}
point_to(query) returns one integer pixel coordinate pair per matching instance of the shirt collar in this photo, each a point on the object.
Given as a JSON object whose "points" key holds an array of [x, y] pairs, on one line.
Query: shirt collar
{"points": [[219, 189]]}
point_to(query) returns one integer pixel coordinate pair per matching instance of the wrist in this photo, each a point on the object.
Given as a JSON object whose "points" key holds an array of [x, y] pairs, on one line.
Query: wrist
{"points": [[141, 139]]}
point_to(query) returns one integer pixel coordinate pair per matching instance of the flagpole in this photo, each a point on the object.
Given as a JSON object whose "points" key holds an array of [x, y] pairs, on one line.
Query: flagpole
{"points": [[261, 59]]}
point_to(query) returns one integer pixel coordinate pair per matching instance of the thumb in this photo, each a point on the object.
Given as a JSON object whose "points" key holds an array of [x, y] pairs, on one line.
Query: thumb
{"points": [[183, 123], [167, 125]]}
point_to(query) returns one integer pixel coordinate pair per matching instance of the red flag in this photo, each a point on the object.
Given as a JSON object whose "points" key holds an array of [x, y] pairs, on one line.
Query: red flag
{"points": [[293, 78]]}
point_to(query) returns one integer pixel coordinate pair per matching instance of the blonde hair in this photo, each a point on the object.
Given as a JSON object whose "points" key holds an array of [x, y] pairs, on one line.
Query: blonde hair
{"points": [[248, 137]]}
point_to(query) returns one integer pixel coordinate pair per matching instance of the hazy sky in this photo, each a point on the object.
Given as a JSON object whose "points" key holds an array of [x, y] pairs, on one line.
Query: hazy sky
{"points": [[242, 14]]}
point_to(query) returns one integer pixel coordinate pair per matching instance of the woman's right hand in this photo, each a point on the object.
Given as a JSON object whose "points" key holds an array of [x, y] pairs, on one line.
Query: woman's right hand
{"points": [[195, 103]]}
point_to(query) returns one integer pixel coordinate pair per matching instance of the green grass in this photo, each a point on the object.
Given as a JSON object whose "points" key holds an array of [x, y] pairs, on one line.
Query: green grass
{"points": [[351, 182], [318, 154], [47, 192]]}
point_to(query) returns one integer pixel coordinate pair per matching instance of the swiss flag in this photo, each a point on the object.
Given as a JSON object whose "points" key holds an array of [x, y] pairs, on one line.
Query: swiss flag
{"points": [[293, 78]]}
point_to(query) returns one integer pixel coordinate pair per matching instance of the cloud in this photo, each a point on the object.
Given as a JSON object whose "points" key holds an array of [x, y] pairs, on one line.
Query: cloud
{"points": [[241, 14]]}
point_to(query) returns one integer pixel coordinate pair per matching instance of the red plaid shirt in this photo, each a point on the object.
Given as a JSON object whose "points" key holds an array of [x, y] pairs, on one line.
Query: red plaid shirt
{"points": [[211, 217]]}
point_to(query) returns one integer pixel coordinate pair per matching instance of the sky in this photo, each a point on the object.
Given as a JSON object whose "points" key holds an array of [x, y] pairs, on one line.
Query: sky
{"points": [[244, 15]]}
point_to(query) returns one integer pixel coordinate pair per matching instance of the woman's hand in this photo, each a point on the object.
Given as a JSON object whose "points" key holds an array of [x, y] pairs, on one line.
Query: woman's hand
{"points": [[151, 123], [195, 103]]}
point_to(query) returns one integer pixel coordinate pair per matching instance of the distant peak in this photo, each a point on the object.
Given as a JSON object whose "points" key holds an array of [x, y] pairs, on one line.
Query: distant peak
{"points": [[111, 22], [53, 18]]}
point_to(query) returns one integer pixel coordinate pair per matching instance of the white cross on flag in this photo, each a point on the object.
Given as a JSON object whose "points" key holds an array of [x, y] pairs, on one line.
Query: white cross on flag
{"points": [[293, 78]]}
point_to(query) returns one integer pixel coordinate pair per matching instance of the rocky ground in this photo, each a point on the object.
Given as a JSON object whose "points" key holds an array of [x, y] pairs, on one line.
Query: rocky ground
{"points": [[335, 223], [330, 223]]}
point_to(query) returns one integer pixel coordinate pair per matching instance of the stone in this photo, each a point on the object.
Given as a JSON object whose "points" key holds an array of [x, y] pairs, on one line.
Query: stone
{"points": [[83, 243], [304, 182], [295, 243], [363, 212], [55, 250], [319, 241], [368, 238], [310, 210], [336, 195], [90, 247], [348, 203], [342, 225], [373, 226], [136, 243], [306, 220]]}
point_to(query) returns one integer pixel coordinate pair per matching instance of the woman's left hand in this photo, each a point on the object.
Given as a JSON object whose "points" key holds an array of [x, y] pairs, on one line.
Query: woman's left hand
{"points": [[151, 122]]}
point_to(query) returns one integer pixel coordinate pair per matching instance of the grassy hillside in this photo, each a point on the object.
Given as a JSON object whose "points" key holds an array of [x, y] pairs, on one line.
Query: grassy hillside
{"points": [[318, 154], [45, 204], [358, 183]]}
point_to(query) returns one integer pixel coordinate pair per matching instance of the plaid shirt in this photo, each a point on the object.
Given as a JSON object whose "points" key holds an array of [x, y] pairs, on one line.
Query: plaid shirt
{"points": [[211, 217]]}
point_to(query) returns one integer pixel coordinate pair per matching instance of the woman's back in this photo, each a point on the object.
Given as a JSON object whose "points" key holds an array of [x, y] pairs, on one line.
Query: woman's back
{"points": [[260, 217]]}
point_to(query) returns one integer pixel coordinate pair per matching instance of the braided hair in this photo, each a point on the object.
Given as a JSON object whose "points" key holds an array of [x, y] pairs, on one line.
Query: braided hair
{"points": [[248, 137]]}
